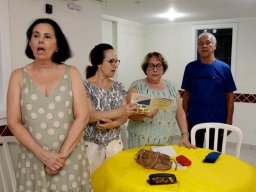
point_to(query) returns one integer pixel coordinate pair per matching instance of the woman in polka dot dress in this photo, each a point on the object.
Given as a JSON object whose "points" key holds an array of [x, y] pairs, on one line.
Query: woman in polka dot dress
{"points": [[47, 112]]}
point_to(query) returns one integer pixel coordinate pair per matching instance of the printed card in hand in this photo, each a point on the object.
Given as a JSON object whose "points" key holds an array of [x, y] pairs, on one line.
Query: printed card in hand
{"points": [[148, 104]]}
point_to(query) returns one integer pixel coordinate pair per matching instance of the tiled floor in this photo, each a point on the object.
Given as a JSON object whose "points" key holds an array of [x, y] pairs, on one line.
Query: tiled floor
{"points": [[247, 154]]}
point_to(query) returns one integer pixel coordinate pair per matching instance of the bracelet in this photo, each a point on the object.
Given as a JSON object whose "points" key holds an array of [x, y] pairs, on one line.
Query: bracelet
{"points": [[185, 133]]}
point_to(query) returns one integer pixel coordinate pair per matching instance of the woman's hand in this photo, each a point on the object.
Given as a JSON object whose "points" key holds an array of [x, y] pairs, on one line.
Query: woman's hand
{"points": [[139, 117], [129, 109], [53, 161], [103, 124], [152, 114], [50, 172], [185, 142]]}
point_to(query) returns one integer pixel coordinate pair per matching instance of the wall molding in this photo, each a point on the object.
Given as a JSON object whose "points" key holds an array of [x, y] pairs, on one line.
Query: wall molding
{"points": [[239, 97]]}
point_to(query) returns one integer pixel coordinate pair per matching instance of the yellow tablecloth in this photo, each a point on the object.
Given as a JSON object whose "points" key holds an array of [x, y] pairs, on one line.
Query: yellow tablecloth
{"points": [[121, 173]]}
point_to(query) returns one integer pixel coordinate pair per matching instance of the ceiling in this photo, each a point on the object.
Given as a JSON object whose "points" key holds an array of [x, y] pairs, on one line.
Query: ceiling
{"points": [[145, 11]]}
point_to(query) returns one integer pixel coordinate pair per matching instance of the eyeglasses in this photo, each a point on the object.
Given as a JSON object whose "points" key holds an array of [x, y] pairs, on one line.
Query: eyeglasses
{"points": [[152, 66], [113, 61]]}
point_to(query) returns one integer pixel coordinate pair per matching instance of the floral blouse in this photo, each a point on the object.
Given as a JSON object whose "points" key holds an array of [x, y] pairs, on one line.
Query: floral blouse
{"points": [[103, 100]]}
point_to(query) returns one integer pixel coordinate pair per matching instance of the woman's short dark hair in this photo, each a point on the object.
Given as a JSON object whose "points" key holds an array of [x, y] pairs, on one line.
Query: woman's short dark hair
{"points": [[158, 55], [63, 51], [96, 57]]}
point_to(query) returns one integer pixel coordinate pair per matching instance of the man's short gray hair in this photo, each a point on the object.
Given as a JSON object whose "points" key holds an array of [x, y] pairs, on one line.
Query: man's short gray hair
{"points": [[210, 35]]}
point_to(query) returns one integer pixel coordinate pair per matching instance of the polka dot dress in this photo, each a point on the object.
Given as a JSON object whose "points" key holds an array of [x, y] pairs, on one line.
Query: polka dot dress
{"points": [[48, 120]]}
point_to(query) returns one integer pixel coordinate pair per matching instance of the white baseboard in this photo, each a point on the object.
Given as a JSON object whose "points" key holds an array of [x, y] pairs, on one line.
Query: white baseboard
{"points": [[244, 145]]}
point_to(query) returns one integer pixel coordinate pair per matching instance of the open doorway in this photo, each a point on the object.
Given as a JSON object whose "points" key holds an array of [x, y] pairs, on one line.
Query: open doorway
{"points": [[224, 43], [226, 35]]}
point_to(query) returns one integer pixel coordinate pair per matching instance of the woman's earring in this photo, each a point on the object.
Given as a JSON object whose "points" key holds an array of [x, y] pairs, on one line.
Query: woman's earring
{"points": [[56, 50]]}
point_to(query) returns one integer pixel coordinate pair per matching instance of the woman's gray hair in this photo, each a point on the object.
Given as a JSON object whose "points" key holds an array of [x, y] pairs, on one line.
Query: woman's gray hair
{"points": [[210, 35]]}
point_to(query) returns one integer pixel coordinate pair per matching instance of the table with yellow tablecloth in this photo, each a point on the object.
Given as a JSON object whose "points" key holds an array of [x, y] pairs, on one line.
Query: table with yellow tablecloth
{"points": [[121, 173]]}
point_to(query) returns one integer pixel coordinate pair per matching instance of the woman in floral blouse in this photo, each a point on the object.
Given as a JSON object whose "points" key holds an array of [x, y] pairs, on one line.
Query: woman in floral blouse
{"points": [[108, 102]]}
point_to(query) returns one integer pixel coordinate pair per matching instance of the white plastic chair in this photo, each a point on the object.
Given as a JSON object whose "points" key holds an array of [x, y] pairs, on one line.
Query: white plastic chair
{"points": [[217, 127], [6, 163]]}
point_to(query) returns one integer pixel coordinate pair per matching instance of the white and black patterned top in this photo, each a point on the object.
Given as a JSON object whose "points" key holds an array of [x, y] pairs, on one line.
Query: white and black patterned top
{"points": [[103, 100]]}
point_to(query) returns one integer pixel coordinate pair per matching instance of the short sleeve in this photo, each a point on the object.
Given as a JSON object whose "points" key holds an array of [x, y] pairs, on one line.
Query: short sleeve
{"points": [[139, 85], [185, 79], [121, 89], [230, 83], [172, 88]]}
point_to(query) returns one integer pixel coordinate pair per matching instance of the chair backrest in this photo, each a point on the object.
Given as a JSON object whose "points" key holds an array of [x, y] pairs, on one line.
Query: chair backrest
{"points": [[6, 163], [217, 127]]}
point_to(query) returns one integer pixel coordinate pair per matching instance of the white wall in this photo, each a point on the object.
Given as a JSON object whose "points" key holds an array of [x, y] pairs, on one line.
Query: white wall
{"points": [[82, 29], [129, 40], [107, 34], [176, 42], [244, 117], [131, 50], [246, 51], [5, 55]]}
